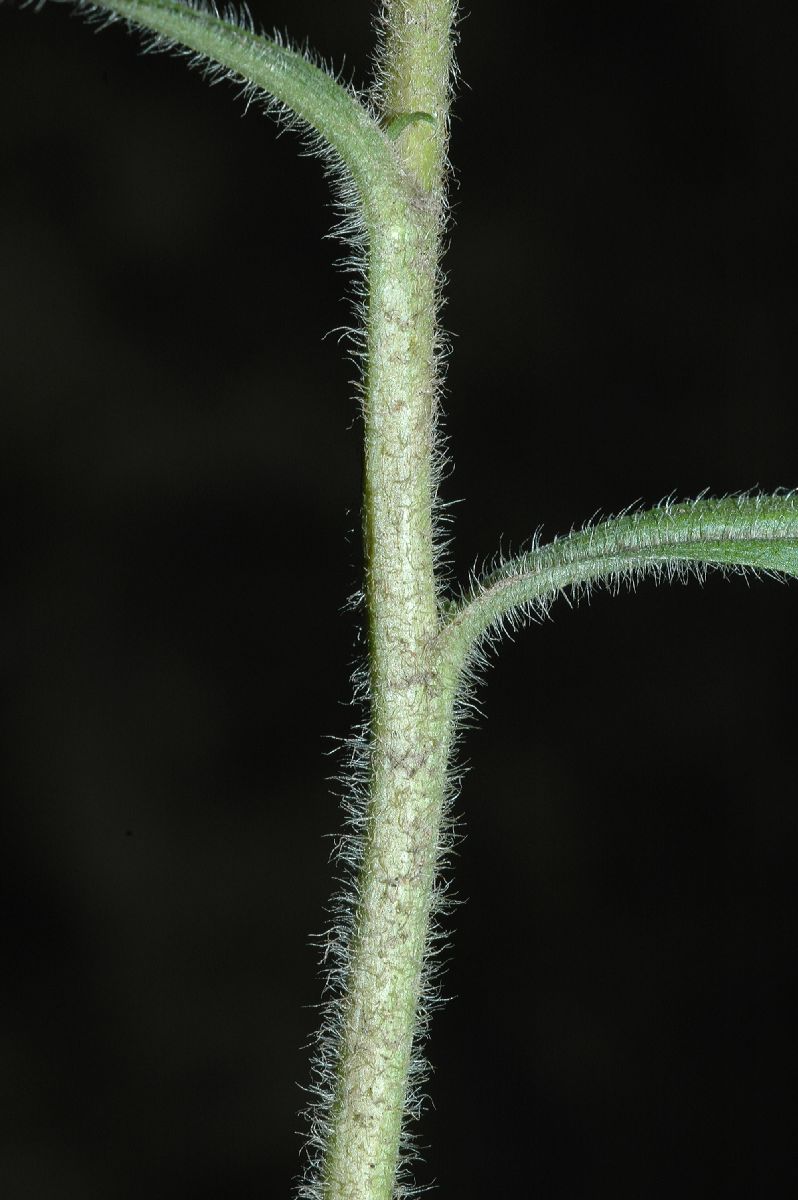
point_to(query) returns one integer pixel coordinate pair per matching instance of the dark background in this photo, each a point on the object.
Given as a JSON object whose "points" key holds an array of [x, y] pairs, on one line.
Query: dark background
{"points": [[179, 472]]}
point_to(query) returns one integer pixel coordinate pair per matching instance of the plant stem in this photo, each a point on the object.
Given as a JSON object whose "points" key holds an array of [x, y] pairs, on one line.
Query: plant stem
{"points": [[410, 710], [420, 649]]}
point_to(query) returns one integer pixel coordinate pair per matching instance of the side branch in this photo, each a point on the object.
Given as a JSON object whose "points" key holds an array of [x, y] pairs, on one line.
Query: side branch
{"points": [[759, 533], [300, 87]]}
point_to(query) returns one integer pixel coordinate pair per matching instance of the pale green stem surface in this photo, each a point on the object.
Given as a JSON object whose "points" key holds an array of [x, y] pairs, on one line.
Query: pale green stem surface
{"points": [[417, 68], [410, 716], [417, 657], [397, 167]]}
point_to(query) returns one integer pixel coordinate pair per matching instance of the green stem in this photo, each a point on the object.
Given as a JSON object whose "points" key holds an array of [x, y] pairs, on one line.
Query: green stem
{"points": [[397, 164], [416, 675], [410, 713], [416, 78], [417, 659]]}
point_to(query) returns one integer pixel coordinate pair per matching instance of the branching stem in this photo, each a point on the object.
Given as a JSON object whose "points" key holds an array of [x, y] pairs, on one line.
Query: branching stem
{"points": [[419, 647]]}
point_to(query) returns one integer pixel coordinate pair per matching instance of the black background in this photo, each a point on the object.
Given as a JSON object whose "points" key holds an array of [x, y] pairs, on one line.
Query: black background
{"points": [[179, 473]]}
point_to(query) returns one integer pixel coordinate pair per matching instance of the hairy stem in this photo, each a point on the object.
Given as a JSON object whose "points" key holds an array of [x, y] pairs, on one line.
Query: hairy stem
{"points": [[409, 710], [417, 79], [420, 647]]}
